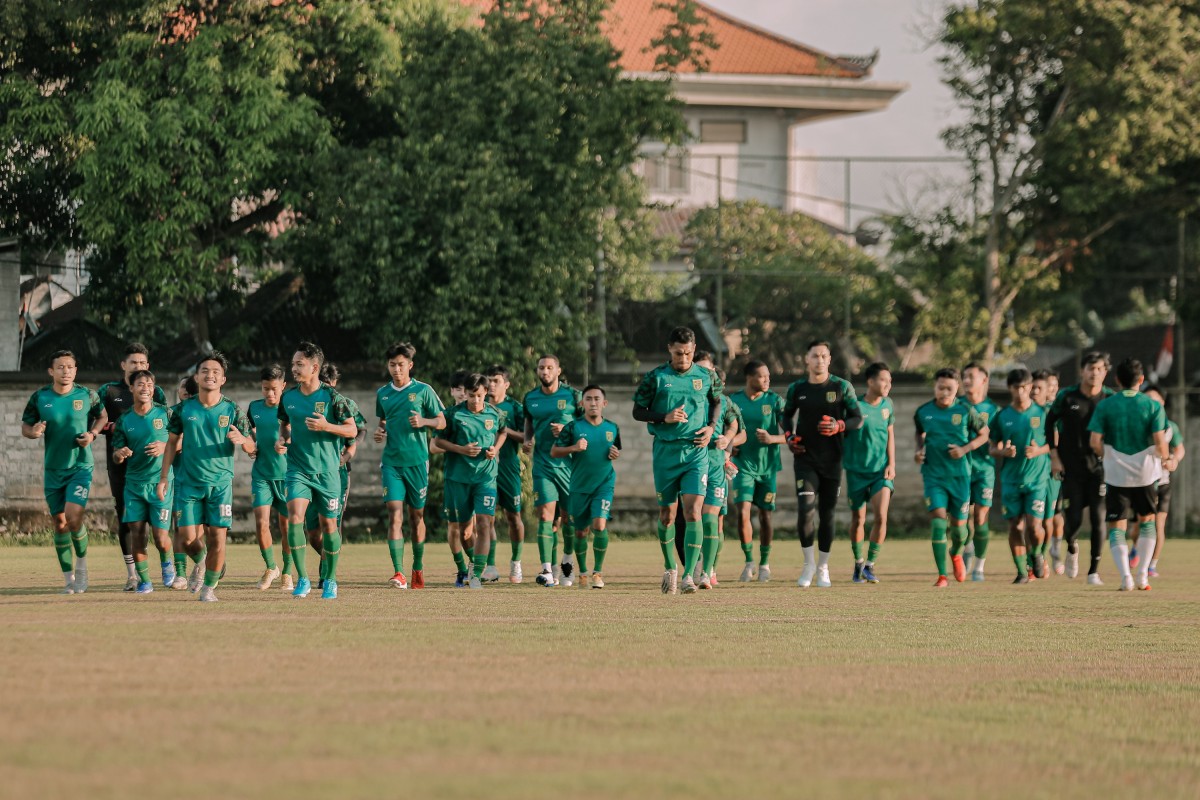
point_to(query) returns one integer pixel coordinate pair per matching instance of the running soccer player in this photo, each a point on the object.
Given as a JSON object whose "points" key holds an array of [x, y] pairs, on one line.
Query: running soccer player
{"points": [[472, 438], [821, 408], [267, 487], [1164, 485], [184, 549], [210, 426], [548, 408], [117, 397], [68, 418], [982, 468], [592, 444], [758, 464], [139, 441], [1131, 435], [457, 536], [871, 470], [948, 430], [728, 432], [406, 408], [509, 478], [1018, 435], [1045, 389], [680, 400], [313, 420], [1071, 456]]}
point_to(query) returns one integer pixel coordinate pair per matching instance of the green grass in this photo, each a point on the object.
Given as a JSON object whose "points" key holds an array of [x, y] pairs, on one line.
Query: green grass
{"points": [[896, 690]]}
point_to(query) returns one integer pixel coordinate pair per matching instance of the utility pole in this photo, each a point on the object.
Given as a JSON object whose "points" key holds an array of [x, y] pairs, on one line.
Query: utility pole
{"points": [[1181, 487], [601, 311]]}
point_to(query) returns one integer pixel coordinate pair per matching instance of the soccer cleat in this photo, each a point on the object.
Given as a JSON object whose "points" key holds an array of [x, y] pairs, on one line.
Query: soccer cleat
{"points": [[179, 583], [196, 579], [145, 588], [490, 574], [1143, 586], [1152, 572], [1133, 558], [398, 581], [747, 572], [131, 583], [1093, 579], [670, 581], [697, 571], [1022, 577], [1126, 584], [68, 583], [545, 578], [1055, 559], [1059, 567], [968, 557], [514, 572], [764, 573], [474, 582], [460, 580], [806, 575], [597, 580], [689, 586], [712, 578], [1039, 567], [418, 579], [960, 569], [568, 574], [558, 574], [941, 582], [977, 576], [868, 573], [168, 574], [858, 573], [704, 582], [320, 583], [823, 581], [329, 591], [208, 594], [81, 577], [288, 584], [583, 580], [303, 587], [1072, 565], [268, 577]]}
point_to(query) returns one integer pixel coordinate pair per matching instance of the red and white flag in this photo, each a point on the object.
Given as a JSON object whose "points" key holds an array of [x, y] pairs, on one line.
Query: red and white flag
{"points": [[1166, 354]]}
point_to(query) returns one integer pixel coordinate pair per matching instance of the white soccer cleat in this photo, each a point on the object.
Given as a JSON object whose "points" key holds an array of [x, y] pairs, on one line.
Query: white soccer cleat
{"points": [[131, 583], [823, 581], [557, 575], [475, 582], [1126, 584], [697, 573], [546, 578], [670, 581], [747, 572], [704, 582], [268, 577], [764, 573], [807, 574], [490, 574], [1072, 565], [81, 576], [196, 579], [689, 586], [68, 583], [180, 582], [1093, 579], [568, 580], [207, 594], [597, 580], [514, 572], [288, 584]]}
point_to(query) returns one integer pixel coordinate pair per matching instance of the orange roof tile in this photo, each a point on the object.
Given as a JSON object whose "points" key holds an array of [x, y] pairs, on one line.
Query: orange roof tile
{"points": [[743, 49]]}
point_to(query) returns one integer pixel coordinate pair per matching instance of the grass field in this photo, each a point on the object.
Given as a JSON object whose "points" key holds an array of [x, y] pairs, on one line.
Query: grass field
{"points": [[894, 690]]}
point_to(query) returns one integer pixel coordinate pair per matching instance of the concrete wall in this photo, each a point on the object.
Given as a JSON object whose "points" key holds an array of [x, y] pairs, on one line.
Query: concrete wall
{"points": [[10, 307]]}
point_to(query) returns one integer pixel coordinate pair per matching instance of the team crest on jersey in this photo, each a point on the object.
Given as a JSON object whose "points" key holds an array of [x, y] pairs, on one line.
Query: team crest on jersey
{"points": [[1036, 422], [77, 405], [488, 424], [831, 397], [562, 405], [319, 408], [412, 397], [158, 424], [886, 413], [223, 422], [766, 411], [697, 384], [608, 436], [983, 415], [956, 419]]}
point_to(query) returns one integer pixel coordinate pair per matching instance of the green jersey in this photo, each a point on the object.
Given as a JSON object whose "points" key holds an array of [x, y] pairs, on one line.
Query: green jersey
{"points": [[67, 417], [766, 412], [981, 460], [512, 415], [1128, 421], [264, 421], [406, 446], [866, 447], [205, 433], [1022, 428], [728, 415], [135, 431], [955, 425], [314, 452], [592, 469], [663, 389], [464, 427], [543, 410]]}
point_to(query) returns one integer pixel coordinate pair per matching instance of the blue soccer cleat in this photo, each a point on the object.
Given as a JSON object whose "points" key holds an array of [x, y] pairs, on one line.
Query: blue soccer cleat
{"points": [[868, 574], [303, 587], [858, 572], [168, 574], [145, 587], [460, 581], [329, 591]]}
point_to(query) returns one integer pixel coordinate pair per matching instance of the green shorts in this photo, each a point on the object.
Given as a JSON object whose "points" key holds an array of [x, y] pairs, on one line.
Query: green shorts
{"points": [[142, 505], [508, 489], [64, 486], [408, 485], [312, 520], [204, 505], [463, 501], [952, 495], [269, 493], [552, 487], [1053, 493], [862, 486], [323, 490], [587, 506], [717, 491], [679, 468], [983, 484], [1023, 499], [759, 490]]}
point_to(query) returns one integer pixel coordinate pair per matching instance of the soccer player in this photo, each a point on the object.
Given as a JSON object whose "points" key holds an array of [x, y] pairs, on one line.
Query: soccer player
{"points": [[1164, 485], [871, 470], [548, 408], [210, 426], [267, 487], [117, 397], [758, 464], [184, 549], [68, 418], [728, 431], [820, 409], [592, 444], [680, 400], [509, 478], [313, 420], [472, 438], [457, 536], [1045, 389], [982, 468], [948, 429], [1071, 456], [1018, 435], [406, 408], [139, 440], [1129, 432]]}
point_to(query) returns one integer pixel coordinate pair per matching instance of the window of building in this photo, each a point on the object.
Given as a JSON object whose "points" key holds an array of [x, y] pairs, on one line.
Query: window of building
{"points": [[723, 131], [665, 173]]}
